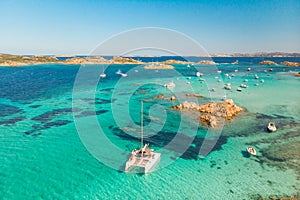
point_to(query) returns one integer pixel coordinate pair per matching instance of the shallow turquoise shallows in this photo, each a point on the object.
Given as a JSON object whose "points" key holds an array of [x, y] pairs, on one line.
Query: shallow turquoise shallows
{"points": [[66, 134]]}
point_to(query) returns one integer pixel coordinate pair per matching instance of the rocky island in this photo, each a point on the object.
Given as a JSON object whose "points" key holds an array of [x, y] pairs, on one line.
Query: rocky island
{"points": [[20, 60], [176, 62], [213, 113], [124, 60], [158, 66], [291, 64], [267, 62], [207, 62], [16, 60]]}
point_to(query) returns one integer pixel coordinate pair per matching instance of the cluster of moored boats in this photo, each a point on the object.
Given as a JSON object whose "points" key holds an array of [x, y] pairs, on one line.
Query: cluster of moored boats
{"points": [[145, 159]]}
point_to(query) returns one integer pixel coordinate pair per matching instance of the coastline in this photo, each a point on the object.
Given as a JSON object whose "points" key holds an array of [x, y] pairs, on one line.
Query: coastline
{"points": [[8, 60]]}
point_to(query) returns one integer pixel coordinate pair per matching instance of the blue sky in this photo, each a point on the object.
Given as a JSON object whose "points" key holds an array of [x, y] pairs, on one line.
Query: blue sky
{"points": [[78, 26]]}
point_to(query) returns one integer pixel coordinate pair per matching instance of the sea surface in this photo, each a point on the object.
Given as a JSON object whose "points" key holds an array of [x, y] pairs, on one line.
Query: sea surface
{"points": [[66, 134]]}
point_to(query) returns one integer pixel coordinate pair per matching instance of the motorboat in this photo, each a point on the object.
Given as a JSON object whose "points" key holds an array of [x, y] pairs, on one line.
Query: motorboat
{"points": [[272, 127], [239, 89], [102, 75], [227, 86], [199, 74], [251, 150], [243, 86], [123, 75], [170, 84], [120, 73]]}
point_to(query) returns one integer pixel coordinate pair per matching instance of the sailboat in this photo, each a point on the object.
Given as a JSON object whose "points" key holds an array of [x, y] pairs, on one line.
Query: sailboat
{"points": [[145, 158]]}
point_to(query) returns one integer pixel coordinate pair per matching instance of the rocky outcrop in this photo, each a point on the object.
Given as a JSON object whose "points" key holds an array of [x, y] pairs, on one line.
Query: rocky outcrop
{"points": [[176, 62], [291, 64], [160, 96], [213, 113], [207, 62], [158, 66], [87, 60], [267, 62], [124, 60], [194, 95], [297, 74]]}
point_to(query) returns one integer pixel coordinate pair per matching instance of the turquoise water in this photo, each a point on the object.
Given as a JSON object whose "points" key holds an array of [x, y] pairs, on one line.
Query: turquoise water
{"points": [[51, 147]]}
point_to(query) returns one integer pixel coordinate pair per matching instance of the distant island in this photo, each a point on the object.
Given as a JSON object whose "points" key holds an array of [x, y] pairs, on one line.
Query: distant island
{"points": [[259, 54], [22, 60]]}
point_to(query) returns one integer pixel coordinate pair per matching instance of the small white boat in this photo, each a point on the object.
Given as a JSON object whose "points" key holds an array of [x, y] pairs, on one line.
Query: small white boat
{"points": [[256, 76], [227, 87], [199, 74], [236, 70], [262, 80], [246, 80], [188, 66], [249, 69], [118, 72], [189, 78], [102, 75], [256, 84], [170, 84], [243, 86], [251, 150], [219, 71], [270, 69], [272, 127], [239, 89], [122, 74]]}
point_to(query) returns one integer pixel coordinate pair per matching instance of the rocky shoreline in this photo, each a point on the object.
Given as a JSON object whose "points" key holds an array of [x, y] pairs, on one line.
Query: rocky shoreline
{"points": [[286, 63], [19, 60], [212, 114]]}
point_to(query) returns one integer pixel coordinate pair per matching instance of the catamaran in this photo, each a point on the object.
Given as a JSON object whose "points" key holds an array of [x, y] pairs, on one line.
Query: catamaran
{"points": [[144, 159]]}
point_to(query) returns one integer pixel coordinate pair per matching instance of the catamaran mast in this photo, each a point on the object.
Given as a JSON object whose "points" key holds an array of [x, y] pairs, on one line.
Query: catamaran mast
{"points": [[142, 142]]}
